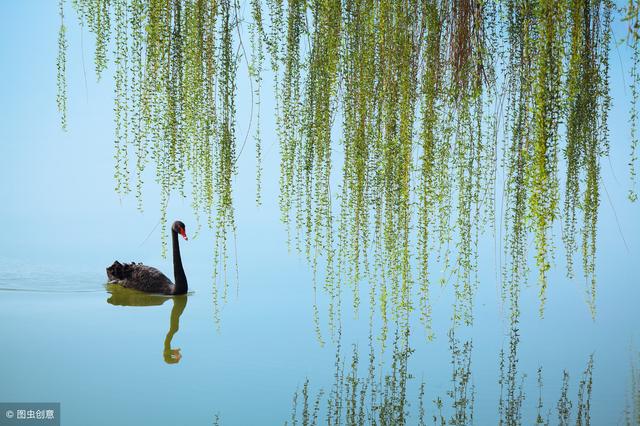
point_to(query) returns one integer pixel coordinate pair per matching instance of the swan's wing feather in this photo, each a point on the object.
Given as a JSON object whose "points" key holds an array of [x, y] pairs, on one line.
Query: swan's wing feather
{"points": [[139, 277]]}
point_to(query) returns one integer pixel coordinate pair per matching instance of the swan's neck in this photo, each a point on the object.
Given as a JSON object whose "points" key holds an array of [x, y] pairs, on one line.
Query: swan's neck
{"points": [[180, 278]]}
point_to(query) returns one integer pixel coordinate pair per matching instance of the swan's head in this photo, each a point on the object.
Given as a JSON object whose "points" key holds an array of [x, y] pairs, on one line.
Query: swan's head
{"points": [[179, 228]]}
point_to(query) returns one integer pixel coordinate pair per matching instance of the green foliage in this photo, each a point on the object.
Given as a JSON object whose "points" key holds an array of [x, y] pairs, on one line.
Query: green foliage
{"points": [[547, 105], [120, 108], [365, 61], [61, 63], [521, 32], [415, 96], [393, 105], [257, 60], [97, 15], [632, 16], [539, 101], [588, 104]]}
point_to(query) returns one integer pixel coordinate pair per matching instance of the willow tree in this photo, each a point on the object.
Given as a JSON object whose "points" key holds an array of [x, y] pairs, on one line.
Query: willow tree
{"points": [[422, 93]]}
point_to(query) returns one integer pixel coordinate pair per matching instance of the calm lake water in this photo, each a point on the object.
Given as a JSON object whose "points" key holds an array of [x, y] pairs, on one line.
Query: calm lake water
{"points": [[121, 357]]}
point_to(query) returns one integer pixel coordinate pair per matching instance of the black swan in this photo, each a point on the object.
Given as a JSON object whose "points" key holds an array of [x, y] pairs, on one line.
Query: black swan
{"points": [[148, 279]]}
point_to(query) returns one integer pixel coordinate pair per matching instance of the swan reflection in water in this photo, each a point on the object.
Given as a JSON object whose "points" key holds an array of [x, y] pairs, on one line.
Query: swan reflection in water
{"points": [[120, 296]]}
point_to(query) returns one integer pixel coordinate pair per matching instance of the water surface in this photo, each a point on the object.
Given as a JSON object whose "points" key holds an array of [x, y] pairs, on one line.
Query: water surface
{"points": [[114, 356]]}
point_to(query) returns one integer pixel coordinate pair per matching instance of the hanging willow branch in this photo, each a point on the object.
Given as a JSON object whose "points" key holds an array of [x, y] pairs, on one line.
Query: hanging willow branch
{"points": [[61, 63], [547, 107], [536, 109], [408, 95], [632, 17], [587, 136]]}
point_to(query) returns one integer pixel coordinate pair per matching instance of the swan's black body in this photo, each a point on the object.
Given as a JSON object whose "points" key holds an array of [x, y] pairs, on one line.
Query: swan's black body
{"points": [[148, 279]]}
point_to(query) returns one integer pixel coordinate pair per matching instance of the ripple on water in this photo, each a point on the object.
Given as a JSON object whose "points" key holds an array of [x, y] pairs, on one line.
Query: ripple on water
{"points": [[22, 276]]}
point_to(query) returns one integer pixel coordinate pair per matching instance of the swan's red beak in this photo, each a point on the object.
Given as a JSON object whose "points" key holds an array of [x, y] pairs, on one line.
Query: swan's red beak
{"points": [[183, 233]]}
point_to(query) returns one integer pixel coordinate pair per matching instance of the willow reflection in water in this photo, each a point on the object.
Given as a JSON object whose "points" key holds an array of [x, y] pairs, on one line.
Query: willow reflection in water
{"points": [[381, 398], [512, 394], [385, 397], [632, 409], [120, 296]]}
